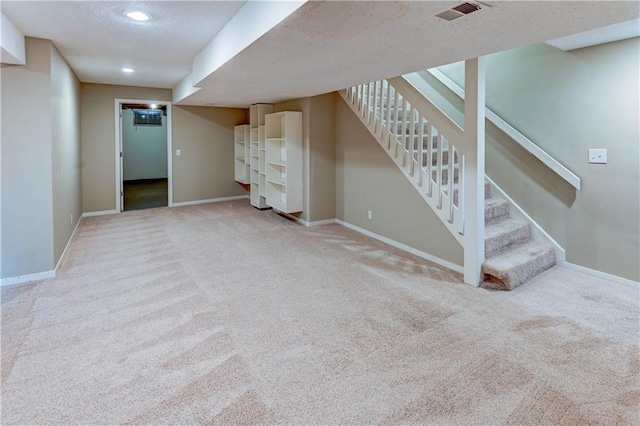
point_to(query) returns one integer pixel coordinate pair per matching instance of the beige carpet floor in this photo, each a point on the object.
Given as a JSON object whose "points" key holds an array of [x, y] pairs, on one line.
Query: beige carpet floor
{"points": [[223, 314]]}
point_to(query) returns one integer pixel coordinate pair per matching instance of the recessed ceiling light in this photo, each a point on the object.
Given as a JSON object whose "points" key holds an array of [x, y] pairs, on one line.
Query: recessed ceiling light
{"points": [[127, 70], [137, 15]]}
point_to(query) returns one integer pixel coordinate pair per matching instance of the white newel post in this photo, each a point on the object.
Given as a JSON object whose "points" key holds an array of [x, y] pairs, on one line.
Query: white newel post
{"points": [[474, 107]]}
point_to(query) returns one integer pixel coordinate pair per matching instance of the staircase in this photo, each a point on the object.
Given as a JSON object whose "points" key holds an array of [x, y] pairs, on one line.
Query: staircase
{"points": [[512, 256], [431, 151]]}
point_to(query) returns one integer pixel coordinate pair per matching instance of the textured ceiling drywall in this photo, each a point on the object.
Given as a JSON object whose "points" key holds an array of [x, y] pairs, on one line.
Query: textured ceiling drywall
{"points": [[326, 46], [321, 47], [98, 40], [620, 31]]}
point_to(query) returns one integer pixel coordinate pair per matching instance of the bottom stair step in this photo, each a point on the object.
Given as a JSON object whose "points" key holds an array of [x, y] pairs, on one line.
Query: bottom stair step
{"points": [[515, 266]]}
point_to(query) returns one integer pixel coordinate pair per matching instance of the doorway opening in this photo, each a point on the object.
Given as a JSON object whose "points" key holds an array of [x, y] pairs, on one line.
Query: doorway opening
{"points": [[143, 154]]}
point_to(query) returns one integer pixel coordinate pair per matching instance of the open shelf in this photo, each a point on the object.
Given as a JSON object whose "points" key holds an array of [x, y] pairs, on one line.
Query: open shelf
{"points": [[257, 114], [278, 181], [283, 158], [241, 152]]}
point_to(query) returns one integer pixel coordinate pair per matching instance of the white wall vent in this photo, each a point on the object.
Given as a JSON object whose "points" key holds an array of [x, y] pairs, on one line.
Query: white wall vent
{"points": [[459, 11]]}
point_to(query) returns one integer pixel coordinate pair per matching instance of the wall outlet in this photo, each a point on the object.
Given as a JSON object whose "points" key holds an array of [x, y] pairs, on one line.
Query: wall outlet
{"points": [[598, 156], [369, 214], [178, 153]]}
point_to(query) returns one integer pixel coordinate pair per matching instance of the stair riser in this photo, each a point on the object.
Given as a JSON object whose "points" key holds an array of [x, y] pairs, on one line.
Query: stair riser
{"points": [[383, 104], [495, 214], [383, 108], [445, 176], [445, 158], [512, 256], [405, 129], [399, 113], [487, 192], [425, 141], [434, 159], [500, 243]]}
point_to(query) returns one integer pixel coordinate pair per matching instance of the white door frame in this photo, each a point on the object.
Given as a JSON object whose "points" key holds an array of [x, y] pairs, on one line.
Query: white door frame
{"points": [[118, 148]]}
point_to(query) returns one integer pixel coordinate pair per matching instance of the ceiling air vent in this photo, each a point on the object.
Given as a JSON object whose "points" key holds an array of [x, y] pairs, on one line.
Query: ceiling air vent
{"points": [[466, 8], [459, 11]]}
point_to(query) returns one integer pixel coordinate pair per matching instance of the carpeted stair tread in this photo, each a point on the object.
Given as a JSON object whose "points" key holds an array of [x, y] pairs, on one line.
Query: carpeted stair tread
{"points": [[512, 255], [495, 210], [502, 235], [518, 264]]}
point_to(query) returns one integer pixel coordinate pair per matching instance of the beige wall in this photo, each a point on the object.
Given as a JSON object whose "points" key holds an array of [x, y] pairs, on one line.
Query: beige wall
{"points": [[98, 140], [367, 179], [66, 174], [27, 222], [205, 137], [41, 184], [203, 134], [318, 134], [322, 158], [568, 102]]}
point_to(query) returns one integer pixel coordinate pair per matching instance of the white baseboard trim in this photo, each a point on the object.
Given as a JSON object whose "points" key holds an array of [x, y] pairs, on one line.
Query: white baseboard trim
{"points": [[318, 222], [39, 276], [100, 213], [20, 279], [304, 222], [64, 252], [403, 247], [593, 272], [211, 200]]}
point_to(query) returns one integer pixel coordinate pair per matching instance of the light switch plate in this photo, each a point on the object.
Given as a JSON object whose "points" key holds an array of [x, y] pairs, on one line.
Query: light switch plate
{"points": [[178, 152], [598, 156]]}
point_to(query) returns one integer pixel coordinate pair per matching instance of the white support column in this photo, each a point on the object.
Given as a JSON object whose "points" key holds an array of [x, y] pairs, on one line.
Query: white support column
{"points": [[474, 107]]}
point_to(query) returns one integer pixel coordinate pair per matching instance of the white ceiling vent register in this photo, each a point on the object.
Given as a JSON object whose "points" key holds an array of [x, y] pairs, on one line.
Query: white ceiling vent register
{"points": [[460, 10]]}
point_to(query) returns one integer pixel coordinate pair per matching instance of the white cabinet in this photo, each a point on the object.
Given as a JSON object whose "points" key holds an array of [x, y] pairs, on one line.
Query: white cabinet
{"points": [[283, 165], [257, 115], [241, 153]]}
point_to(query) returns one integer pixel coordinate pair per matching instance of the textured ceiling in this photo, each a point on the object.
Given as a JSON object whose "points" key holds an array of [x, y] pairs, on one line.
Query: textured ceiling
{"points": [[326, 46], [98, 40], [321, 47], [615, 32]]}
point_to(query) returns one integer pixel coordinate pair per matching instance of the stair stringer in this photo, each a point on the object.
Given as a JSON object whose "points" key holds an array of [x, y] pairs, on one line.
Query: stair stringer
{"points": [[434, 198]]}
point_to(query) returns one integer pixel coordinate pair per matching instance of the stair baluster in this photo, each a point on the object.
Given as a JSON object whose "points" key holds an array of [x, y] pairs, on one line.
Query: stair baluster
{"points": [[432, 153]]}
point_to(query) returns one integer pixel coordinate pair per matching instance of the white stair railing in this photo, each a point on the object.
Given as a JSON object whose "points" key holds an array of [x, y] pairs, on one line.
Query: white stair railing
{"points": [[418, 147], [432, 152]]}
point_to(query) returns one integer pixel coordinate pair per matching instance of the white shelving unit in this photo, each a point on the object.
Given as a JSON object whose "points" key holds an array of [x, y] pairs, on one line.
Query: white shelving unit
{"points": [[261, 162], [257, 130], [283, 165], [242, 166]]}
